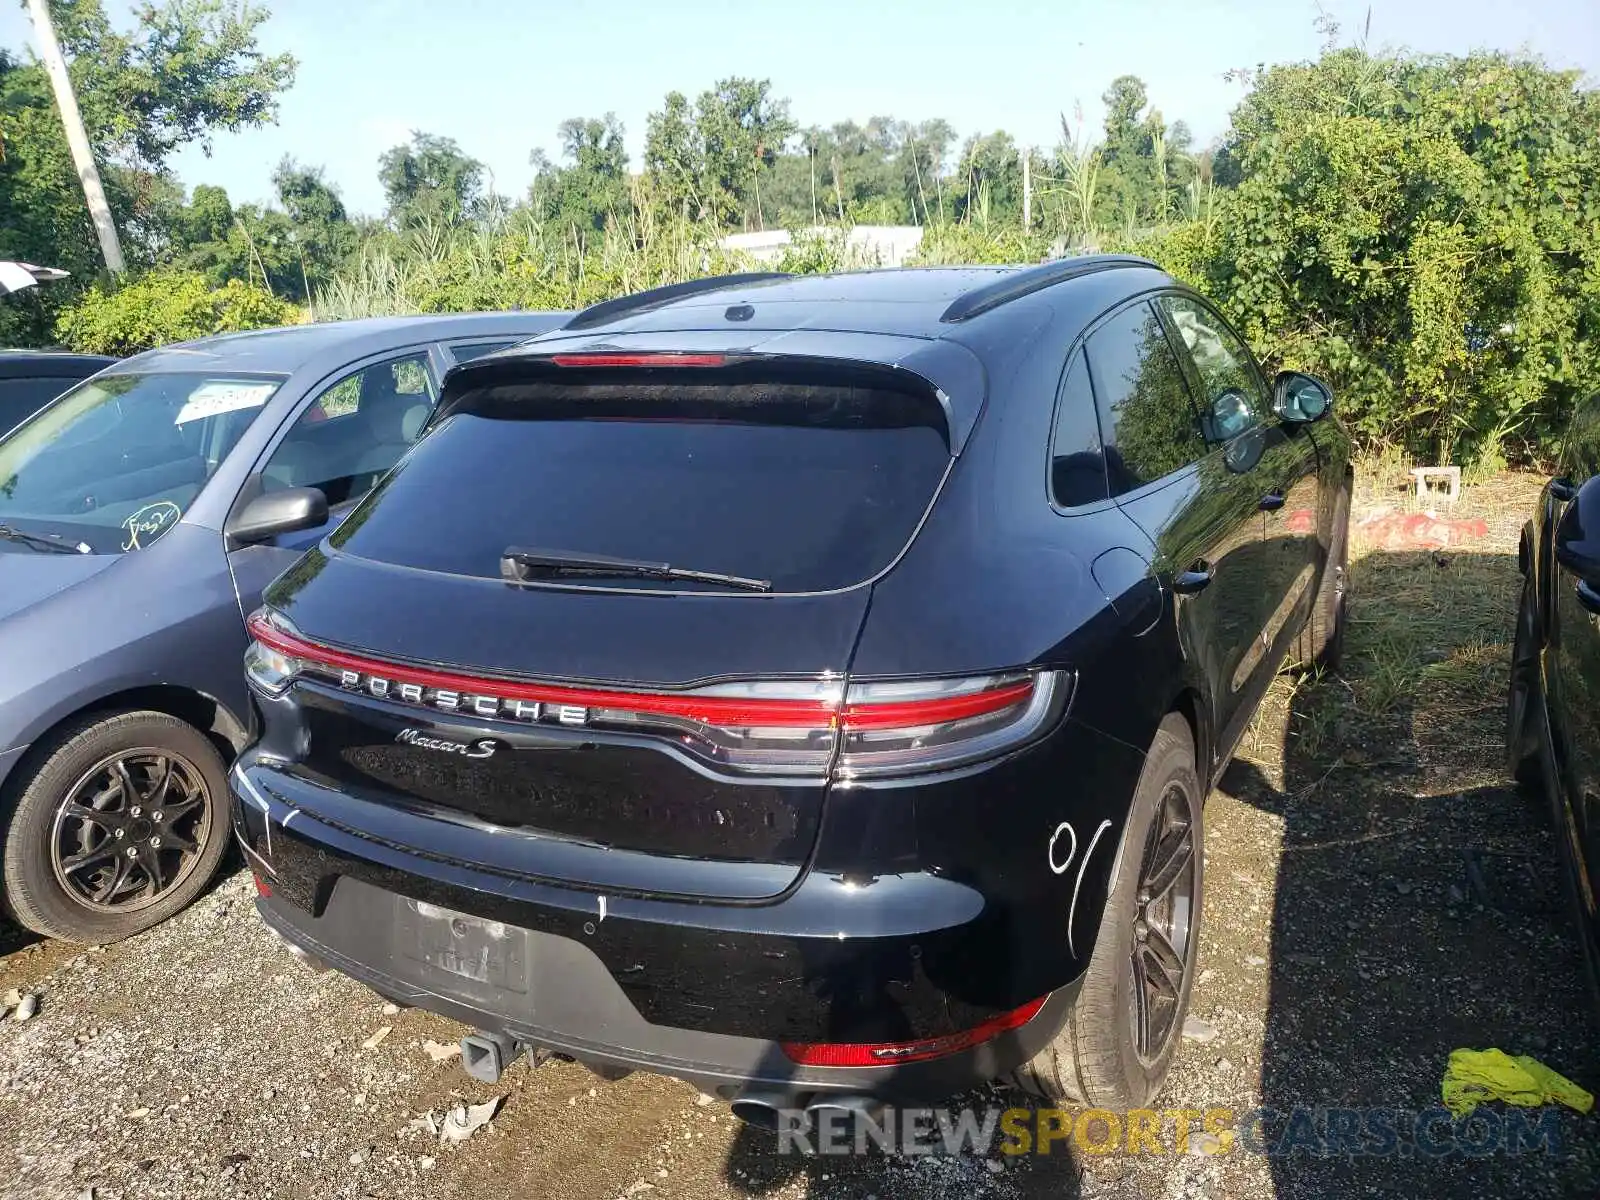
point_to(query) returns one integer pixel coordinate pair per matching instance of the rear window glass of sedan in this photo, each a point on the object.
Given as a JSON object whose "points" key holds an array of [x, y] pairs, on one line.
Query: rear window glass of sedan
{"points": [[117, 461]]}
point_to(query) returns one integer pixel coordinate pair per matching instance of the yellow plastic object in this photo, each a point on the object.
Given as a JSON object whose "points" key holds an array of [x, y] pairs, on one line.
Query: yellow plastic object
{"points": [[1475, 1077]]}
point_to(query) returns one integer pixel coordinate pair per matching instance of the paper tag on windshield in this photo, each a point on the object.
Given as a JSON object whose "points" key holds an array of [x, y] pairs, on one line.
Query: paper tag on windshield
{"points": [[210, 399]]}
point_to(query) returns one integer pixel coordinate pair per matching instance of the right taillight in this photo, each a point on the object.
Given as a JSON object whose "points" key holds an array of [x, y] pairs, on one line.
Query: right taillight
{"points": [[898, 727]]}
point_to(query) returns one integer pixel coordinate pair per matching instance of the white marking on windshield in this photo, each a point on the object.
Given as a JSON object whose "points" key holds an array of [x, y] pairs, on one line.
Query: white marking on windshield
{"points": [[212, 399]]}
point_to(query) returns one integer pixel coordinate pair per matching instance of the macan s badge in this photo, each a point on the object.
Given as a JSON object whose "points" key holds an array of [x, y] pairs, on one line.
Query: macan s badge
{"points": [[477, 748]]}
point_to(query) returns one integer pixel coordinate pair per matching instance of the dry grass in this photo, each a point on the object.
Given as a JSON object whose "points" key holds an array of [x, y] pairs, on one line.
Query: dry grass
{"points": [[1426, 646]]}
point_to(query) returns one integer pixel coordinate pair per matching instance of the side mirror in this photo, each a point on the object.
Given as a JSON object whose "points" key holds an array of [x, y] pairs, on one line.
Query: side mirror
{"points": [[1300, 399], [1230, 416], [1232, 423], [284, 511]]}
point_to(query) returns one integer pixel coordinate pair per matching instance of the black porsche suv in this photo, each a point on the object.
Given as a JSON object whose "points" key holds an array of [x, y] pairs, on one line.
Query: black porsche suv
{"points": [[806, 687]]}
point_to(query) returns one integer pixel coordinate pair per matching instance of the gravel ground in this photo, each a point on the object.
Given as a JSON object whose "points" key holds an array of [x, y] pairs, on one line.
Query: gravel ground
{"points": [[1376, 895]]}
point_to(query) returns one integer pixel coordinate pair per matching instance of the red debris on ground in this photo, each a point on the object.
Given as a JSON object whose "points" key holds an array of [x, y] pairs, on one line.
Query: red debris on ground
{"points": [[1390, 530]]}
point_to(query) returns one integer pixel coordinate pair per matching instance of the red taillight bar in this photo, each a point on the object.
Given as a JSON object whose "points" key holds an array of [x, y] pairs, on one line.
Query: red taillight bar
{"points": [[608, 359], [723, 711], [711, 710], [888, 1054]]}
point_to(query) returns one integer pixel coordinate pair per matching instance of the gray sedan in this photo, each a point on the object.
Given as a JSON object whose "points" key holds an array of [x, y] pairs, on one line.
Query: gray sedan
{"points": [[141, 515]]}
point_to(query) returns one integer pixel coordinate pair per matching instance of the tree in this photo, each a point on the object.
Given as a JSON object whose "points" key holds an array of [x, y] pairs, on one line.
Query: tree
{"points": [[186, 70], [320, 230], [711, 158], [307, 197], [1146, 162], [289, 251], [846, 172], [673, 156], [924, 146], [742, 128], [1126, 135], [988, 184], [429, 179], [593, 183]]}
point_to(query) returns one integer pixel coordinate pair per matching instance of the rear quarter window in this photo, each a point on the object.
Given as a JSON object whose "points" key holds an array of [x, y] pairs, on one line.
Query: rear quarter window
{"points": [[1077, 461]]}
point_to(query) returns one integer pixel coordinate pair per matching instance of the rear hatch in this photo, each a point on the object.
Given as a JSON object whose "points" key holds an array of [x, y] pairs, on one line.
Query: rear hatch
{"points": [[506, 589]]}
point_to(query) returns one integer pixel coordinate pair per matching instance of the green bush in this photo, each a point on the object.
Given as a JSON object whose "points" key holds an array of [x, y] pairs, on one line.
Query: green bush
{"points": [[520, 261], [166, 306], [1426, 233], [951, 244]]}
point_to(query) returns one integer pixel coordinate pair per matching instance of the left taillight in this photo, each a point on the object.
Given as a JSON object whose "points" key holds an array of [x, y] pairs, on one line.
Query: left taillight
{"points": [[267, 665]]}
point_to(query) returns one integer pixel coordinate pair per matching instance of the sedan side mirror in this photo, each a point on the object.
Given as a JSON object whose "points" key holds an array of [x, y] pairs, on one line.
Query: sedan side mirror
{"points": [[287, 510], [1300, 399]]}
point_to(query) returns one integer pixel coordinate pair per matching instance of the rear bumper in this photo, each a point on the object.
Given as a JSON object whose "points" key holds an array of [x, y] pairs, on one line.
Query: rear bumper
{"points": [[575, 1006], [704, 992]]}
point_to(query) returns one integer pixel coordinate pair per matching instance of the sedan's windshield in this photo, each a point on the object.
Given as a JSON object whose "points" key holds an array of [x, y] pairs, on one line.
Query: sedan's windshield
{"points": [[117, 461]]}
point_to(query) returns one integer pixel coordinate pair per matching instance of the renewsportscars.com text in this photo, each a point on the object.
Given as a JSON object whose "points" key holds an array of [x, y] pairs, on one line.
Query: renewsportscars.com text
{"points": [[1320, 1132]]}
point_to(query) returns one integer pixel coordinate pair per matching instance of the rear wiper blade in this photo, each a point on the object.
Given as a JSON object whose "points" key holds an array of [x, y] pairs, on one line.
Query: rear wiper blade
{"points": [[40, 542], [523, 564]]}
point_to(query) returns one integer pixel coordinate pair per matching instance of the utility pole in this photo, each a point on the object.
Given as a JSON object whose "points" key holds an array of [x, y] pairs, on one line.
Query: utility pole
{"points": [[1027, 187], [77, 140]]}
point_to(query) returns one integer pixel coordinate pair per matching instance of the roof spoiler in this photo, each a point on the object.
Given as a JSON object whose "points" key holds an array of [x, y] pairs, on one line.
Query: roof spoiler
{"points": [[611, 310], [1027, 280]]}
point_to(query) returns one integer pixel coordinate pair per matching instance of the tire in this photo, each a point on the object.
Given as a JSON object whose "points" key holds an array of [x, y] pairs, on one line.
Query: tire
{"points": [[1524, 698], [1320, 645], [57, 863], [1096, 1059]]}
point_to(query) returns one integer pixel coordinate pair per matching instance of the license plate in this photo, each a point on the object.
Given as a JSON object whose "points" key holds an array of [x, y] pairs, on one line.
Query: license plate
{"points": [[486, 952]]}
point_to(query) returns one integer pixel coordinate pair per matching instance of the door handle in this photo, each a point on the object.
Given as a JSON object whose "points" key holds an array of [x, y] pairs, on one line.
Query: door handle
{"points": [[1195, 579], [1589, 597], [1272, 501]]}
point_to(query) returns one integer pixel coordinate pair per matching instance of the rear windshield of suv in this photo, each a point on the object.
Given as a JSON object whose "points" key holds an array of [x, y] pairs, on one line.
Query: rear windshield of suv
{"points": [[808, 487]]}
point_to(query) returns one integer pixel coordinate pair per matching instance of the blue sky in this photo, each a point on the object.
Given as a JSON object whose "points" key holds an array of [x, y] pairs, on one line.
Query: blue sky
{"points": [[499, 77]]}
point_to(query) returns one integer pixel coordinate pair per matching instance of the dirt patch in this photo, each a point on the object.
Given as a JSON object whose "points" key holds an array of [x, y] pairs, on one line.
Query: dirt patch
{"points": [[1376, 896]]}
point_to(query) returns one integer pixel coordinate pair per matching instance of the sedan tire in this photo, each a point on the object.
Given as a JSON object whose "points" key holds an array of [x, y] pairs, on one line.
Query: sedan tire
{"points": [[122, 823]]}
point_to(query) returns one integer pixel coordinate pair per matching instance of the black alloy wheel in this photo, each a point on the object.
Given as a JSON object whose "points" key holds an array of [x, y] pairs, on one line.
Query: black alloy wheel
{"points": [[1163, 925], [130, 829]]}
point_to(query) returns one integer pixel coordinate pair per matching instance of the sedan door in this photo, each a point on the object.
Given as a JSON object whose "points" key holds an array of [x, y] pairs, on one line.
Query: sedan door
{"points": [[1195, 498], [345, 439]]}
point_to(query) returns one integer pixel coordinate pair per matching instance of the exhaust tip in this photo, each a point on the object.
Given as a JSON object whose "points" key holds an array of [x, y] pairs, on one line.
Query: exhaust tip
{"points": [[759, 1111]]}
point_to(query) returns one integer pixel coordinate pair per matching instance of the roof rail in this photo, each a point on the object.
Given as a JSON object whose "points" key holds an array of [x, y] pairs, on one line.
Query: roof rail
{"points": [[610, 310], [1026, 280]]}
